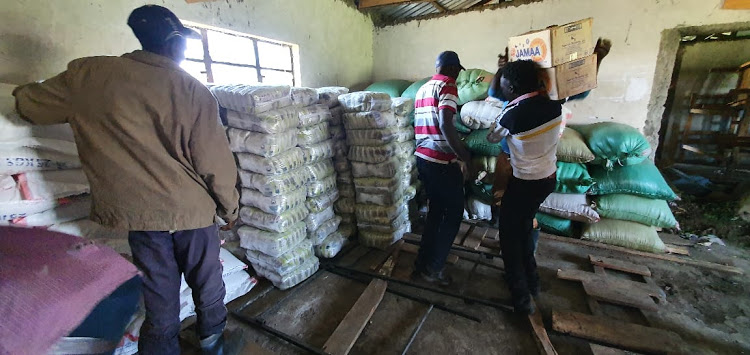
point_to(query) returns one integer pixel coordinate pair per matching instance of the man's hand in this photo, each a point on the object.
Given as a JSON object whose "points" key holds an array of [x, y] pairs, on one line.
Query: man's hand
{"points": [[602, 48], [502, 59], [228, 226]]}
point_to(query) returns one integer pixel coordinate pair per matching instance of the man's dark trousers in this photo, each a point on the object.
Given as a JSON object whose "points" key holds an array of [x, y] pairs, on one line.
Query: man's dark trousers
{"points": [[444, 184], [163, 257], [519, 205]]}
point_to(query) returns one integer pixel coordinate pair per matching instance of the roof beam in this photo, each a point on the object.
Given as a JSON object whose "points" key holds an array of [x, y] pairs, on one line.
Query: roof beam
{"points": [[364, 4], [438, 7], [481, 3]]}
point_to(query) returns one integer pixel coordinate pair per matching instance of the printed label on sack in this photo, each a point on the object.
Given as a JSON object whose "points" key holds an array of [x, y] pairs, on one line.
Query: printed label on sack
{"points": [[36, 163]]}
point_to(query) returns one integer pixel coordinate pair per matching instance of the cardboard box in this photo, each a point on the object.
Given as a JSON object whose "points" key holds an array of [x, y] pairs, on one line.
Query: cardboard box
{"points": [[571, 78], [554, 45]]}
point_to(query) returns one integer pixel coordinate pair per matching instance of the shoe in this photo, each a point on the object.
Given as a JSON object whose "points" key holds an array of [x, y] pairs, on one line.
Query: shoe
{"points": [[227, 343], [522, 305], [436, 278]]}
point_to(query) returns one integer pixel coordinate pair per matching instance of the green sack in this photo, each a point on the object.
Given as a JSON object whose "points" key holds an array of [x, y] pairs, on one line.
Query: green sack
{"points": [[394, 88], [556, 225], [624, 234], [572, 148], [572, 178], [411, 91], [615, 143], [482, 192], [473, 85], [477, 143], [460, 126], [643, 180], [636, 209]]}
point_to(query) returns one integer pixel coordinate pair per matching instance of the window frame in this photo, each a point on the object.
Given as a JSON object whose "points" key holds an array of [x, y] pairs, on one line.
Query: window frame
{"points": [[208, 61]]}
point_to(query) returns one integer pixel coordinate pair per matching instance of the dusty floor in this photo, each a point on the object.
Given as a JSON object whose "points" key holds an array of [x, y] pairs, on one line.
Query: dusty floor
{"points": [[709, 309]]}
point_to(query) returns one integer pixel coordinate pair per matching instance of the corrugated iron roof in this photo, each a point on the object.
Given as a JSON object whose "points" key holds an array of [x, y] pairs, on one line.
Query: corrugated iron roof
{"points": [[413, 10]]}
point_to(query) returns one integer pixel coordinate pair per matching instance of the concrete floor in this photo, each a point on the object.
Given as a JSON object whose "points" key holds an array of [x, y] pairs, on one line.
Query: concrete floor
{"points": [[709, 309]]}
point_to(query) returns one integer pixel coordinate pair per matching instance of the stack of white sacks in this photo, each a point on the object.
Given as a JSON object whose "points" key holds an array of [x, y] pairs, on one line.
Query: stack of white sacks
{"points": [[381, 146], [344, 206], [283, 150]]}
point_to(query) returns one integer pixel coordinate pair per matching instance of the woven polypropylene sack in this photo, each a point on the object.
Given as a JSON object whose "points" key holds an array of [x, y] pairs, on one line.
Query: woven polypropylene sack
{"points": [[363, 101], [572, 148], [615, 144], [252, 98], [393, 226], [316, 152], [633, 208], [374, 214], [477, 143], [279, 164], [386, 198], [405, 134], [626, 234], [322, 186], [479, 210], [330, 246], [394, 88], [337, 132], [340, 150], [483, 192], [344, 205], [323, 201], [374, 154], [314, 114], [274, 185], [266, 145], [369, 120], [381, 185], [473, 85], [460, 126], [556, 225], [372, 137], [348, 218], [572, 178], [411, 91], [270, 222], [283, 263], [480, 114], [347, 230], [337, 115], [291, 279], [271, 243], [325, 229], [382, 240], [387, 169], [402, 106], [304, 96], [315, 220], [341, 165], [345, 190], [575, 207], [273, 204], [271, 122], [329, 95], [319, 170], [643, 180], [313, 134]]}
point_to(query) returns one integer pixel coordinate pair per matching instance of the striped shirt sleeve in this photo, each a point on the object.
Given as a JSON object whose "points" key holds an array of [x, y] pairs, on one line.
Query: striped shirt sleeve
{"points": [[448, 99]]}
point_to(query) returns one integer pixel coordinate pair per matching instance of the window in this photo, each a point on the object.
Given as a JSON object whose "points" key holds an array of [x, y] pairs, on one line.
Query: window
{"points": [[227, 57]]}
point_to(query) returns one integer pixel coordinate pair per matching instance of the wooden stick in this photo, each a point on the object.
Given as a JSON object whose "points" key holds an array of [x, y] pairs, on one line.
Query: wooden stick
{"points": [[698, 263], [540, 334], [343, 338]]}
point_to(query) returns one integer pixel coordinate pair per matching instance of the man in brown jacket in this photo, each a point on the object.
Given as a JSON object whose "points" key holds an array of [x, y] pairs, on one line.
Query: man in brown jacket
{"points": [[159, 165]]}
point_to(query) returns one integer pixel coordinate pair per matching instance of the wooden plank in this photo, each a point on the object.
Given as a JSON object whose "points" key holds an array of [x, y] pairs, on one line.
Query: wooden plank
{"points": [[363, 4], [736, 4], [697, 263], [612, 291], [597, 349], [391, 262], [540, 334], [391, 251], [677, 249], [474, 239], [619, 265], [491, 244], [617, 333], [252, 348], [580, 275], [414, 249], [463, 232], [347, 332]]}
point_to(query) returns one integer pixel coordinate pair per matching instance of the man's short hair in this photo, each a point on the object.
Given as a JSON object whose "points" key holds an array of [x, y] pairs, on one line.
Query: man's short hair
{"points": [[523, 75]]}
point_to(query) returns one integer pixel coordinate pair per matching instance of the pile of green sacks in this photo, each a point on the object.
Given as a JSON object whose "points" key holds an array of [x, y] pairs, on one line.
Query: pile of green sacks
{"points": [[627, 191]]}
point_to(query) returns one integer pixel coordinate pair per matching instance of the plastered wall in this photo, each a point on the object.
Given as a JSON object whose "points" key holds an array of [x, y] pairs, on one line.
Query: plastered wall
{"points": [[627, 76], [39, 37]]}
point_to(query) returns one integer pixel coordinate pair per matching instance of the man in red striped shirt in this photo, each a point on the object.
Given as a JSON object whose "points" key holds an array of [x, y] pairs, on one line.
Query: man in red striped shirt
{"points": [[438, 150]]}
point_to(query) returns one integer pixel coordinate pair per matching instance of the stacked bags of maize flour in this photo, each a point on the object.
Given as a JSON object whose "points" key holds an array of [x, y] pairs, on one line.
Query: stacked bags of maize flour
{"points": [[314, 139], [381, 147], [344, 206], [41, 180], [263, 128], [630, 193]]}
